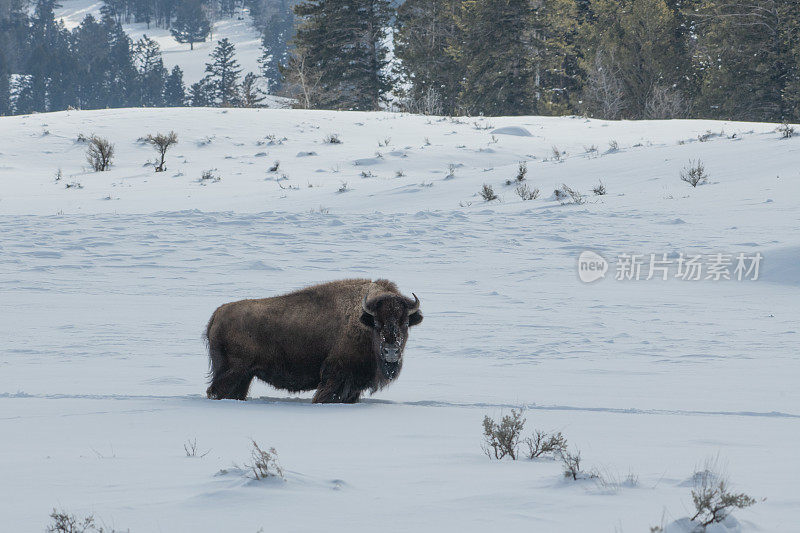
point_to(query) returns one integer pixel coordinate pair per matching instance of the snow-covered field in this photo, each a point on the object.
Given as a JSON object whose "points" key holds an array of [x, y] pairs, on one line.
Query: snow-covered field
{"points": [[105, 291], [239, 30]]}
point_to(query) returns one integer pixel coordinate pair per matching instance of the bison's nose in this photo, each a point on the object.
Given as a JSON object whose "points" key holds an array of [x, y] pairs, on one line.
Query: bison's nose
{"points": [[391, 354]]}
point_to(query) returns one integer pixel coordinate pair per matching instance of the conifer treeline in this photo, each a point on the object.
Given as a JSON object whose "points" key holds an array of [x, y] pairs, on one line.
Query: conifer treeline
{"points": [[96, 65], [727, 59]]}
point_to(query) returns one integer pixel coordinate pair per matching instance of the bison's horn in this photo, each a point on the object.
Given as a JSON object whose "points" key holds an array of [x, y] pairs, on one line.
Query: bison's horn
{"points": [[413, 309], [364, 306]]}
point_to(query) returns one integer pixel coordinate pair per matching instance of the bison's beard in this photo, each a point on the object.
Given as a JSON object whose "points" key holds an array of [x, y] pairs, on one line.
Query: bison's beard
{"points": [[389, 370]]}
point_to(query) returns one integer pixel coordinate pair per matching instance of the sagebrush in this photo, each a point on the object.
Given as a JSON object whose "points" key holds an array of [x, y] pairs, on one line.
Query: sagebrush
{"points": [[541, 444], [264, 463], [501, 439], [63, 522], [713, 500], [695, 173], [567, 194], [161, 142], [100, 153], [487, 193], [526, 193]]}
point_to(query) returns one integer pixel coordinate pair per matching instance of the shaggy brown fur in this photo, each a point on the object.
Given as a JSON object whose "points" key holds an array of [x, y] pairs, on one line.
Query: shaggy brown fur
{"points": [[340, 338]]}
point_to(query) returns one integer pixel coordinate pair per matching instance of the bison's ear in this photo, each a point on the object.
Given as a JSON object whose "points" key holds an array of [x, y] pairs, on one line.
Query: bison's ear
{"points": [[368, 320], [414, 318]]}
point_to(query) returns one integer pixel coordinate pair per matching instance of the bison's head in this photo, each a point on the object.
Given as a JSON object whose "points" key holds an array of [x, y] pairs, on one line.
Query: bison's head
{"points": [[389, 317]]}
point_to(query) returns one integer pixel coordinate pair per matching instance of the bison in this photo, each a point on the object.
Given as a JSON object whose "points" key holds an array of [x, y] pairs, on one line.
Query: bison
{"points": [[340, 338]]}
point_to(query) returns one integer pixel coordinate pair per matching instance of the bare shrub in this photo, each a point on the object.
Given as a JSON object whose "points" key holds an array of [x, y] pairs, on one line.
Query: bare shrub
{"points": [[542, 443], [62, 522], [399, 173], [713, 501], [572, 467], [556, 153], [569, 195], [708, 135], [100, 153], [786, 130], [429, 103], [287, 187], [604, 91], [613, 146], [343, 187], [209, 176], [190, 447], [665, 103], [275, 166], [526, 193], [333, 138], [161, 142], [502, 439], [572, 464], [487, 193], [303, 79], [264, 463], [599, 189], [451, 172], [695, 173]]}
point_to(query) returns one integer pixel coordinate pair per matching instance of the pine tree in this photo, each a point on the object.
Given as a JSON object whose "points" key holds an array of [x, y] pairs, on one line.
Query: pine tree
{"points": [[425, 31], [5, 86], [252, 95], [174, 90], [555, 55], [125, 85], [341, 43], [276, 34], [143, 12], [222, 74], [14, 33], [500, 78], [201, 94], [152, 74], [43, 43], [749, 59], [636, 65], [95, 86], [191, 23]]}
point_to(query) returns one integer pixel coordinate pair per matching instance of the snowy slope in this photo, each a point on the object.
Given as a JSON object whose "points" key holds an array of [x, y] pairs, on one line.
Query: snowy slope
{"points": [[106, 290], [239, 30]]}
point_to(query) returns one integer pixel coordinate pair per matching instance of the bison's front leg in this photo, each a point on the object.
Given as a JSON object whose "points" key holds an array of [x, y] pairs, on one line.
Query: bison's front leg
{"points": [[337, 384]]}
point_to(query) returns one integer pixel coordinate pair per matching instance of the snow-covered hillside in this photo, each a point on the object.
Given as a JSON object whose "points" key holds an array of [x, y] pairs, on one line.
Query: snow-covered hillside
{"points": [[107, 285], [239, 30]]}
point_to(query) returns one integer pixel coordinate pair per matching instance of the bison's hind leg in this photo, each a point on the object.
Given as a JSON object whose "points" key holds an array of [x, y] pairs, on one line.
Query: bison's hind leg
{"points": [[226, 382], [229, 384]]}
